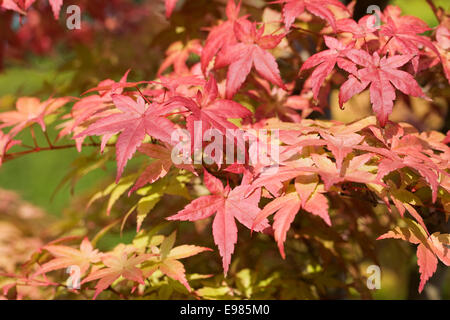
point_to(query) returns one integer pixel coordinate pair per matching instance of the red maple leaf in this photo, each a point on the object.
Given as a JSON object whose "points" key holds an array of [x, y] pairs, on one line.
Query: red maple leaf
{"points": [[319, 8], [170, 5], [30, 110], [56, 7], [134, 119], [251, 50], [361, 29], [341, 145], [6, 143], [221, 36], [20, 6], [382, 75], [178, 54], [158, 168], [350, 171], [210, 111], [276, 102], [173, 82], [403, 34], [307, 195], [228, 204], [325, 62]]}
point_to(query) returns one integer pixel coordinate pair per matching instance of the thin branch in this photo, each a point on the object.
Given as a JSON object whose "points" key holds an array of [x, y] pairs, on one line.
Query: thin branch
{"points": [[435, 9], [387, 42], [33, 135], [306, 31], [12, 156], [145, 98], [48, 139]]}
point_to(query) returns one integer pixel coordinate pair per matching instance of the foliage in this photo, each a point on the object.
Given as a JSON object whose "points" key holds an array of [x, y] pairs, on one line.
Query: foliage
{"points": [[324, 190]]}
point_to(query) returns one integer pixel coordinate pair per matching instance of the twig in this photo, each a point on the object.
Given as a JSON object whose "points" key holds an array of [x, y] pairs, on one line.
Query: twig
{"points": [[435, 10], [11, 156], [48, 139]]}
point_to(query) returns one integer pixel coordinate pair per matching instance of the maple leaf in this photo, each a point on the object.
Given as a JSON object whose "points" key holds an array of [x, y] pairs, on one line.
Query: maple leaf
{"points": [[178, 54], [447, 138], [95, 106], [429, 249], [167, 260], [56, 7], [407, 151], [6, 143], [19, 6], [361, 29], [276, 102], [170, 6], [307, 195], [107, 88], [443, 45], [135, 119], [211, 111], [325, 62], [341, 145], [66, 256], [12, 5], [173, 82], [251, 50], [350, 171], [228, 205], [382, 75], [117, 264], [394, 163], [159, 168], [403, 34], [30, 110], [221, 36], [319, 8]]}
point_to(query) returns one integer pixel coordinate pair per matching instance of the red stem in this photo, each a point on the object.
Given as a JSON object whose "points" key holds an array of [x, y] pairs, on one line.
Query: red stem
{"points": [[435, 10], [11, 156]]}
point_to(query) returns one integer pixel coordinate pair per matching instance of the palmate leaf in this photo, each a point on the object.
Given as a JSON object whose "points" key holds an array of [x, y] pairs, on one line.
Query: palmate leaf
{"points": [[134, 120], [160, 167], [228, 205], [221, 36], [30, 110], [326, 60], [307, 195], [403, 34], [293, 8], [383, 76], [167, 260], [56, 7], [177, 55], [6, 142], [118, 264], [251, 50], [170, 5], [65, 256], [320, 160], [22, 6], [429, 249]]}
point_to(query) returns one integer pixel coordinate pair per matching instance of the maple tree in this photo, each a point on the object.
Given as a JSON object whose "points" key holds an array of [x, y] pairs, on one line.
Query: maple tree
{"points": [[249, 74]]}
